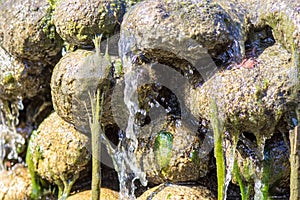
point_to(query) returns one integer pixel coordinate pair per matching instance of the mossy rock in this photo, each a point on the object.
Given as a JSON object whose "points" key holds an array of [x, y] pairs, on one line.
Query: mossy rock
{"points": [[172, 155], [181, 34], [281, 16], [249, 100], [19, 81], [29, 35], [15, 184], [79, 21], [75, 79], [59, 152]]}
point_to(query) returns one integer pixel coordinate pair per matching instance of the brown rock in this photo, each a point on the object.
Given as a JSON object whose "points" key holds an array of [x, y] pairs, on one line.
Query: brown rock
{"points": [[106, 194], [177, 192], [59, 152]]}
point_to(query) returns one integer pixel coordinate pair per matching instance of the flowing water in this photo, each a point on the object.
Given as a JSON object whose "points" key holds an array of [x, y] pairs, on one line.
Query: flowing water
{"points": [[229, 161], [9, 138], [258, 182]]}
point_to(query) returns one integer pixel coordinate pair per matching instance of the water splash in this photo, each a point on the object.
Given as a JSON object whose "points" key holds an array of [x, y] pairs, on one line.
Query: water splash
{"points": [[9, 138], [129, 170]]}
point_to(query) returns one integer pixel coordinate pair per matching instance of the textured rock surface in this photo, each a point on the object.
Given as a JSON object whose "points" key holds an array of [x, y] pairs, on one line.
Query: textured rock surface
{"points": [[106, 194], [26, 31], [76, 77], [22, 79], [250, 100], [15, 184], [59, 152], [79, 21], [181, 34], [282, 16], [174, 192], [173, 156]]}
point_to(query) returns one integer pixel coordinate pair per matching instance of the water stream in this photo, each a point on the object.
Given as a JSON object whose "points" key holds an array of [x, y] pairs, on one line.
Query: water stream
{"points": [[127, 163], [258, 180], [9, 138], [229, 161]]}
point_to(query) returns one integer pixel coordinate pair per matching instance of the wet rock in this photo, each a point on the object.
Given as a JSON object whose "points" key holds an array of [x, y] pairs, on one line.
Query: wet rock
{"points": [[274, 172], [62, 87], [75, 79], [249, 100], [283, 17], [22, 79], [173, 191], [27, 33], [180, 34], [173, 155], [106, 194], [59, 152], [15, 184], [79, 21]]}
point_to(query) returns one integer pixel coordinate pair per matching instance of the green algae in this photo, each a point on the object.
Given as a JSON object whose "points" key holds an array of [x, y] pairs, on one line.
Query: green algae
{"points": [[282, 27], [237, 176], [194, 156], [163, 148], [245, 189], [46, 23], [118, 68], [265, 179], [36, 191], [217, 126]]}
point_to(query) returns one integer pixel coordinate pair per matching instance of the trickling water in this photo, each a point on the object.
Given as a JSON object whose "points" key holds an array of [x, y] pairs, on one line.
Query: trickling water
{"points": [[125, 162], [258, 183], [130, 142], [9, 138], [229, 160]]}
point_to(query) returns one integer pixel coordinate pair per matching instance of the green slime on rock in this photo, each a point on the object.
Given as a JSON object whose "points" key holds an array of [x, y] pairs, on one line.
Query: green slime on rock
{"points": [[245, 192], [36, 192], [163, 148], [217, 126]]}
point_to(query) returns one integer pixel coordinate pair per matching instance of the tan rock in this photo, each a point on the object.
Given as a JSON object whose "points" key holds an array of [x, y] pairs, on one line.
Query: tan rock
{"points": [[177, 192], [15, 184], [106, 194]]}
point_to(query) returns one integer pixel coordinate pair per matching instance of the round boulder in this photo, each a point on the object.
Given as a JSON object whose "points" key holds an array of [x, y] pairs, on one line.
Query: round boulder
{"points": [[173, 192], [58, 151], [79, 21], [74, 83], [249, 100], [173, 155], [26, 31]]}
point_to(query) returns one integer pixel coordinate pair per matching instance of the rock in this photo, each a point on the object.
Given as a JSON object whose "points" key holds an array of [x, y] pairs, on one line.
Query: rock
{"points": [[79, 21], [30, 47], [174, 155], [77, 76], [249, 100], [173, 191], [283, 17], [58, 151], [15, 184], [19, 80], [27, 32], [276, 166], [106, 194], [62, 83], [181, 34]]}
